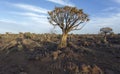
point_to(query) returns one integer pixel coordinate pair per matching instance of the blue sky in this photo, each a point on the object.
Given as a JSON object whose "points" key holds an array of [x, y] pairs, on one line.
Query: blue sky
{"points": [[31, 15]]}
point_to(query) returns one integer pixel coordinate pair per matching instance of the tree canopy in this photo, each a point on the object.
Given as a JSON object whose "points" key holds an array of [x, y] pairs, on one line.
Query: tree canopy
{"points": [[67, 18], [106, 30]]}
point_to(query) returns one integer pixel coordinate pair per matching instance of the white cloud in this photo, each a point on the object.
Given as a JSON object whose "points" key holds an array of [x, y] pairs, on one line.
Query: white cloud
{"points": [[62, 2], [118, 1], [36, 25], [29, 14], [11, 26], [7, 21], [111, 10], [107, 21], [31, 8], [32, 17]]}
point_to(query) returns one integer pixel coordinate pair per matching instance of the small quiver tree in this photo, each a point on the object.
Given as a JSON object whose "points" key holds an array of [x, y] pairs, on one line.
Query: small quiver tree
{"points": [[105, 31]]}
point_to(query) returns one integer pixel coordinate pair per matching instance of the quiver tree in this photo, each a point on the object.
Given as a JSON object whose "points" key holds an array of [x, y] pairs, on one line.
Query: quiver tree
{"points": [[68, 19], [105, 31]]}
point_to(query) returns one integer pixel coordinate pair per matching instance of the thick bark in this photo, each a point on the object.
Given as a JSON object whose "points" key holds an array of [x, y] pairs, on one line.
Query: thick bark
{"points": [[63, 42]]}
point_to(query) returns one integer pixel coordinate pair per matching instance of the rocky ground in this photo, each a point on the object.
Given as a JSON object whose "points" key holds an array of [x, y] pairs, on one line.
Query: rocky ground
{"points": [[38, 54]]}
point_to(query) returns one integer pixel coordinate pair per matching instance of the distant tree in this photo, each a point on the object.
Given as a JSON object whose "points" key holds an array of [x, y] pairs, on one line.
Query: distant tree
{"points": [[68, 19], [105, 31]]}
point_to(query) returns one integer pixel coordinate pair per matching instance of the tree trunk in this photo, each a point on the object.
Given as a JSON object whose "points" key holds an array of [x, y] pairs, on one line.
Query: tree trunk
{"points": [[105, 38], [63, 42]]}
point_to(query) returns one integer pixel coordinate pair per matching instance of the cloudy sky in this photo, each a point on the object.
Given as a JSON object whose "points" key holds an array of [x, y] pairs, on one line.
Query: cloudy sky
{"points": [[31, 15]]}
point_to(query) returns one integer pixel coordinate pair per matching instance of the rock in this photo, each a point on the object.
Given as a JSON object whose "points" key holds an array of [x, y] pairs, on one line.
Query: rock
{"points": [[9, 45], [96, 70], [55, 54], [23, 73], [107, 71], [30, 44], [20, 47], [76, 69], [86, 69]]}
